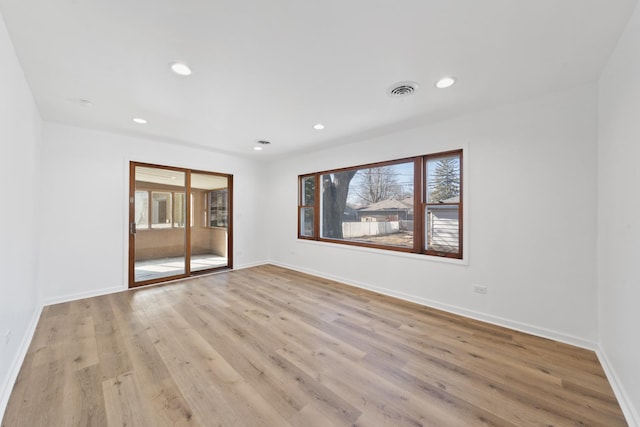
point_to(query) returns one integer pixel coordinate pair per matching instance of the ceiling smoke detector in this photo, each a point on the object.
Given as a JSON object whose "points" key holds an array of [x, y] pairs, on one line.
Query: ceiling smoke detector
{"points": [[402, 89]]}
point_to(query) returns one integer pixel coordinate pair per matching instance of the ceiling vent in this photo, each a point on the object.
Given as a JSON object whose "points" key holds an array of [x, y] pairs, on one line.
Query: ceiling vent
{"points": [[402, 89]]}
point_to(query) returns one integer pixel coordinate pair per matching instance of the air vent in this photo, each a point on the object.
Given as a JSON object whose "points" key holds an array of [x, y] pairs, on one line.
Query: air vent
{"points": [[402, 89]]}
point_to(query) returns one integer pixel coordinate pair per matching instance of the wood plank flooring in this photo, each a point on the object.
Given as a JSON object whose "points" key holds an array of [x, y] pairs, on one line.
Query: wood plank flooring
{"points": [[267, 346]]}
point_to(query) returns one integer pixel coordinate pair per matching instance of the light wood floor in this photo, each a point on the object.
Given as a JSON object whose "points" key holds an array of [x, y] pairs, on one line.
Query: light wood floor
{"points": [[269, 346]]}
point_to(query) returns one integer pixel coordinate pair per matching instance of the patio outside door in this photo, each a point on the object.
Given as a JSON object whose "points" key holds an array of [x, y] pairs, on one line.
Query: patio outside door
{"points": [[179, 223]]}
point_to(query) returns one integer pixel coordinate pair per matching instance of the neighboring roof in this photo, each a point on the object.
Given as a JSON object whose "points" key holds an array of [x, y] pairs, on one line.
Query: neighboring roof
{"points": [[390, 204], [445, 204], [455, 199], [404, 204]]}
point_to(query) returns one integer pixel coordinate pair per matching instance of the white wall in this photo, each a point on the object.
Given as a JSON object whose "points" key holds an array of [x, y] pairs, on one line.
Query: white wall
{"points": [[530, 229], [20, 135], [619, 214], [83, 236]]}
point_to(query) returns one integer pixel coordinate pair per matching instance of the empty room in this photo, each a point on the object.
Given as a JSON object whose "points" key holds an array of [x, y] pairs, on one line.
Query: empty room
{"points": [[339, 213]]}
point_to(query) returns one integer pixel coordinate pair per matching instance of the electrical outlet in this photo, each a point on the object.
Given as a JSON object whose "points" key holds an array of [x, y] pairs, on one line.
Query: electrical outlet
{"points": [[7, 337], [479, 289]]}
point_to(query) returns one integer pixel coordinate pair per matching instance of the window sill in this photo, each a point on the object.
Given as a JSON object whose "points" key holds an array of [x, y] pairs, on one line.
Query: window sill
{"points": [[388, 252]]}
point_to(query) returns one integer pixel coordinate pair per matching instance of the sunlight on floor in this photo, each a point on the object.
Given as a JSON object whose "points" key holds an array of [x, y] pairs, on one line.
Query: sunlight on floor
{"points": [[156, 268]]}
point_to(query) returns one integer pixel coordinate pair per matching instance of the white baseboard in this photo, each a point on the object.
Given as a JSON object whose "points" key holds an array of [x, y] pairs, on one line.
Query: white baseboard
{"points": [[14, 370], [111, 290], [495, 320], [629, 411], [250, 264], [81, 295]]}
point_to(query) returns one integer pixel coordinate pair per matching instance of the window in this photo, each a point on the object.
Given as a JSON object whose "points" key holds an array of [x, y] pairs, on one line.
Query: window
{"points": [[378, 208], [160, 210], [306, 206], [218, 208], [442, 207], [142, 209], [179, 210], [409, 205], [166, 210]]}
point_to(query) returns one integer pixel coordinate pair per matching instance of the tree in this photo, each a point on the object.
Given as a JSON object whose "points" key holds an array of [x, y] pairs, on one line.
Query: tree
{"points": [[377, 184], [335, 189], [309, 190], [445, 181]]}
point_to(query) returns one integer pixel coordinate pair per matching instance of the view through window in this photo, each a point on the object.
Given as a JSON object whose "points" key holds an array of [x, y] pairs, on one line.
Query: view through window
{"points": [[410, 205]]}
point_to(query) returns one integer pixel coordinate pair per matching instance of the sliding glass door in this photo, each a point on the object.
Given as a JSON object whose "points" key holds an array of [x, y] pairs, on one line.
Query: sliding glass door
{"points": [[179, 223]]}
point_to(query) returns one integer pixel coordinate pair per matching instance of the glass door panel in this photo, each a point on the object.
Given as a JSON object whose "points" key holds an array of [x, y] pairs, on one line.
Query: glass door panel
{"points": [[209, 221], [158, 226]]}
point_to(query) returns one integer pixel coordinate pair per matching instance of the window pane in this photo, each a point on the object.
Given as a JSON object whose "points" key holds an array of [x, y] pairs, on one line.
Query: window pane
{"points": [[160, 210], [306, 222], [442, 227], [179, 210], [443, 179], [219, 208], [373, 205], [308, 189], [209, 234], [159, 252], [142, 209]]}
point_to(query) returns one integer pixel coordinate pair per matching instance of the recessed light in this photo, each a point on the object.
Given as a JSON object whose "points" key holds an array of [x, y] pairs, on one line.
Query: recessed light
{"points": [[318, 126], [181, 69], [445, 82], [257, 148], [140, 121]]}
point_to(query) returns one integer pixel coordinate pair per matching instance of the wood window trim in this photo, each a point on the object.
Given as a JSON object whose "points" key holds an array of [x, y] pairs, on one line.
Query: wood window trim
{"points": [[301, 205], [459, 204], [420, 205]]}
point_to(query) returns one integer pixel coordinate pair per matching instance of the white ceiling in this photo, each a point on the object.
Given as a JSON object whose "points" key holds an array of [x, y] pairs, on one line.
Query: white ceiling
{"points": [[272, 69]]}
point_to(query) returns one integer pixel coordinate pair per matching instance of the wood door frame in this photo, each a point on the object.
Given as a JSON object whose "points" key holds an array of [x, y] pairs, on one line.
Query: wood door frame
{"points": [[187, 253]]}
